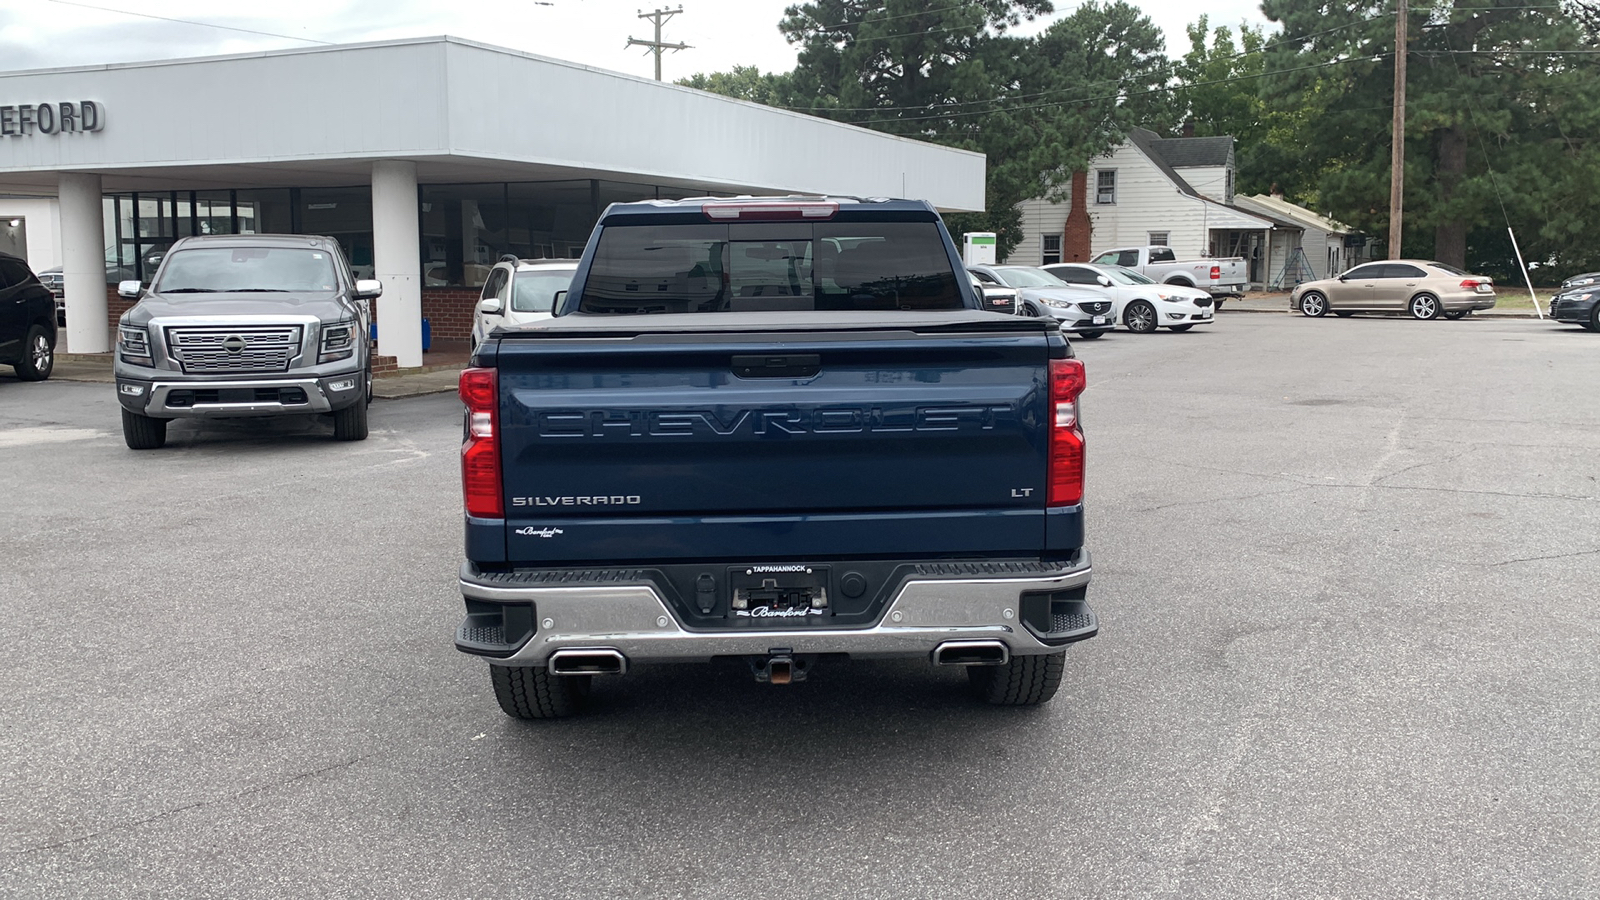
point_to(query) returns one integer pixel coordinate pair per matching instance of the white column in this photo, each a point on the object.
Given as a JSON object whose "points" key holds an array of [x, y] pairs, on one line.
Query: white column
{"points": [[83, 264], [396, 249]]}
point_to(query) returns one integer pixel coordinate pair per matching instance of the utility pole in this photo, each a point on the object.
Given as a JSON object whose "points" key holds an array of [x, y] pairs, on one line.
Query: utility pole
{"points": [[1397, 149], [660, 17]]}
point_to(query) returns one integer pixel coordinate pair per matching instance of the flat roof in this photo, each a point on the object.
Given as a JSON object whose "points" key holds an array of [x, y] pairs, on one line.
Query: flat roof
{"points": [[463, 111]]}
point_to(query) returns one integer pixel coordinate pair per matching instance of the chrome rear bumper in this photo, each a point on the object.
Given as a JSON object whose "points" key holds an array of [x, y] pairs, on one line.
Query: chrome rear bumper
{"points": [[635, 621]]}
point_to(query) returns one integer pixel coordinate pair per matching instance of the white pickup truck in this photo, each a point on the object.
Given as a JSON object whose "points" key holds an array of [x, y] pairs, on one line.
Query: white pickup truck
{"points": [[1220, 277]]}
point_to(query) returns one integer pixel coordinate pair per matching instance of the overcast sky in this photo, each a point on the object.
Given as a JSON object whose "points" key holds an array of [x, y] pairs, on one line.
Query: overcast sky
{"points": [[722, 33]]}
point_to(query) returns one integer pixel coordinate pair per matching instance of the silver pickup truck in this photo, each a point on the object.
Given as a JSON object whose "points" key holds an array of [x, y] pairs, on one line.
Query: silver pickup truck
{"points": [[245, 325], [1221, 277]]}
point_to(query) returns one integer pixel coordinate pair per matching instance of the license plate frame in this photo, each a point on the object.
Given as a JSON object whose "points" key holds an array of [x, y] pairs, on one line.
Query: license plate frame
{"points": [[778, 592]]}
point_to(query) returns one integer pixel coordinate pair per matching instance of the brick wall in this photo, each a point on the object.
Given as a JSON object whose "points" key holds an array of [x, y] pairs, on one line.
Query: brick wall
{"points": [[449, 312], [115, 306]]}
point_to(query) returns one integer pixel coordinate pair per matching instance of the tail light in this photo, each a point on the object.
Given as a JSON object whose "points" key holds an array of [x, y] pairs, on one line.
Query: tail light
{"points": [[1067, 381], [1216, 273], [1470, 284], [480, 451]]}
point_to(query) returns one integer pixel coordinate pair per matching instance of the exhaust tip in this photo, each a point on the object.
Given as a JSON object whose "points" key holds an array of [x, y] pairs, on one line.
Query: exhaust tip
{"points": [[604, 661], [971, 653]]}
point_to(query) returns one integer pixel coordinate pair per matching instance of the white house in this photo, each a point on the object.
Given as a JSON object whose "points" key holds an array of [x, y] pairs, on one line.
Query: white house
{"points": [[1329, 247], [1176, 192]]}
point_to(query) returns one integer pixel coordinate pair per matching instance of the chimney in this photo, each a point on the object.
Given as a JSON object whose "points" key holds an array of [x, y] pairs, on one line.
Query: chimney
{"points": [[1275, 192], [1188, 128], [1075, 239]]}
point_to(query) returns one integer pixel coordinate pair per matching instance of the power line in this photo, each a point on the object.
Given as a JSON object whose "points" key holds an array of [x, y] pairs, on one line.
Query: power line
{"points": [[960, 103], [1122, 95], [129, 12]]}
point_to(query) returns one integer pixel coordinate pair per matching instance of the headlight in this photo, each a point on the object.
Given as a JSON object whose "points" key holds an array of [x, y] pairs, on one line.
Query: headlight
{"points": [[134, 343], [1580, 282], [338, 342]]}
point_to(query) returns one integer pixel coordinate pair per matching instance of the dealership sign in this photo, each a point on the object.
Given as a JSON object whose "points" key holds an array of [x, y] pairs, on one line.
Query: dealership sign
{"points": [[51, 118]]}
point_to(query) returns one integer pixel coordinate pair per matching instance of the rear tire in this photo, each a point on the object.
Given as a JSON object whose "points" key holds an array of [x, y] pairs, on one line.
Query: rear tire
{"points": [[350, 423], [1424, 306], [1344, 313], [38, 355], [1090, 335], [143, 432], [1024, 681], [531, 692], [1217, 305], [1140, 317], [1458, 314]]}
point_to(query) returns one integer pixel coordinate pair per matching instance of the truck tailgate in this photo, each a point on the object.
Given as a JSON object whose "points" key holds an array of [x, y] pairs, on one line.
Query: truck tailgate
{"points": [[823, 440]]}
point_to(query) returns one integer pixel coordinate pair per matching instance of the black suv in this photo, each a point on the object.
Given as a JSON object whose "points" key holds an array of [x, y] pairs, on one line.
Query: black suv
{"points": [[27, 321]]}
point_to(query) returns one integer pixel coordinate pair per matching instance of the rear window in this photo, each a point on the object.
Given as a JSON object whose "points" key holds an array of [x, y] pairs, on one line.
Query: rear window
{"points": [[536, 291], [1162, 254], [745, 267]]}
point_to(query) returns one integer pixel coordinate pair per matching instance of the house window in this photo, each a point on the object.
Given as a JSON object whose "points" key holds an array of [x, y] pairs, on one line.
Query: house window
{"points": [[1105, 187], [1159, 238], [1051, 253], [1227, 196]]}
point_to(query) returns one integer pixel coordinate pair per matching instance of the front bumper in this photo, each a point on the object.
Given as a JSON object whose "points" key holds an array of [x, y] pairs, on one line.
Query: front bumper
{"points": [[1573, 310], [286, 395], [1078, 322], [634, 620]]}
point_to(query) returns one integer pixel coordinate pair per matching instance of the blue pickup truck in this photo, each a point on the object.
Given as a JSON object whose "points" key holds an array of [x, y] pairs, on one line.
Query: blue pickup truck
{"points": [[778, 430]]}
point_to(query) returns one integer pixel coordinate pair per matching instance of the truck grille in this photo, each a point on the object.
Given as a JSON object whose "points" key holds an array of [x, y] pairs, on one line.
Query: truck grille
{"points": [[1096, 307], [234, 350]]}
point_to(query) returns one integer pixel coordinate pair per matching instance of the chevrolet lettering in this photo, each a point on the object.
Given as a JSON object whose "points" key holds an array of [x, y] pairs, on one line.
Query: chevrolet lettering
{"points": [[800, 436], [828, 420]]}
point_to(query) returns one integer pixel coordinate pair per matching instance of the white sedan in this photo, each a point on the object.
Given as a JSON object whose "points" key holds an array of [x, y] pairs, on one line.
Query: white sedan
{"points": [[1137, 302]]}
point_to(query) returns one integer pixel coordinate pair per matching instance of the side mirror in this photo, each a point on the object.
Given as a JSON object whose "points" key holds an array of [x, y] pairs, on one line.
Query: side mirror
{"points": [[556, 300], [1344, 277], [128, 290], [369, 289], [1104, 281], [491, 306]]}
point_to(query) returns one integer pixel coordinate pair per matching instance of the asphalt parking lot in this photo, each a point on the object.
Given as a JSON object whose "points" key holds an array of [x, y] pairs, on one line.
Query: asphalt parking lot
{"points": [[1346, 570]]}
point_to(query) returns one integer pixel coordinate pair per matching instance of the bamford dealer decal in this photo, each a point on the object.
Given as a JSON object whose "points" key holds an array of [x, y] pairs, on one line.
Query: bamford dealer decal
{"points": [[28, 119]]}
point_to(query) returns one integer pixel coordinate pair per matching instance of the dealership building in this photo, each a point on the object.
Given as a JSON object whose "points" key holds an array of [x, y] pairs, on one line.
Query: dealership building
{"points": [[427, 159]]}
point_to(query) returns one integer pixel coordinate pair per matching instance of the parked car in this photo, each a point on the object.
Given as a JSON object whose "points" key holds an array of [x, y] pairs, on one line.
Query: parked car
{"points": [[1081, 312], [1578, 306], [55, 283], [245, 325], [1424, 289], [1136, 301], [996, 297], [518, 292], [790, 435], [27, 321], [1587, 279], [1221, 278]]}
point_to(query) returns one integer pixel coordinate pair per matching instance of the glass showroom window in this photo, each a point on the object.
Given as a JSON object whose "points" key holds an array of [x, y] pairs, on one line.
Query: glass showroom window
{"points": [[344, 214]]}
